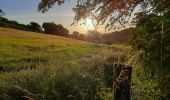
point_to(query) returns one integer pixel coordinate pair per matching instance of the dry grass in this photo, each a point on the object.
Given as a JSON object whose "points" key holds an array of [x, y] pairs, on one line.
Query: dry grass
{"points": [[50, 67]]}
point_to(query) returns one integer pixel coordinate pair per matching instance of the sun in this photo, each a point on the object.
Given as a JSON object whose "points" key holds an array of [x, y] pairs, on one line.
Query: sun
{"points": [[89, 23]]}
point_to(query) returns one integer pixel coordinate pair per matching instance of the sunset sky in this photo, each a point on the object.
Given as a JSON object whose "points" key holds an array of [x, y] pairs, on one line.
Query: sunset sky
{"points": [[25, 11]]}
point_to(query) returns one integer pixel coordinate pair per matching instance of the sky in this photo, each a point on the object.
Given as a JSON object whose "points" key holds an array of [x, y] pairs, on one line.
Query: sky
{"points": [[25, 11]]}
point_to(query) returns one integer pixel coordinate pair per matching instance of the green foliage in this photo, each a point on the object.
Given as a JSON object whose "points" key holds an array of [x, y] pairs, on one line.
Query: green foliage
{"points": [[33, 26], [79, 36], [111, 13], [52, 28], [150, 79], [148, 38], [44, 5]]}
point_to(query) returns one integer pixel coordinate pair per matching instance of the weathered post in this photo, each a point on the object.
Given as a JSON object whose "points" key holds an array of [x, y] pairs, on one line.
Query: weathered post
{"points": [[122, 83]]}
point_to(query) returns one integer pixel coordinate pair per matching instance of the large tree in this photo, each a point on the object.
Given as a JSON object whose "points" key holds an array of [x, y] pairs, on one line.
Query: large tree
{"points": [[35, 27], [52, 28], [112, 13]]}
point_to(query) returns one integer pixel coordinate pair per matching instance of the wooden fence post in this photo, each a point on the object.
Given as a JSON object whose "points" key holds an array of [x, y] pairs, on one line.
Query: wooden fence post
{"points": [[121, 85]]}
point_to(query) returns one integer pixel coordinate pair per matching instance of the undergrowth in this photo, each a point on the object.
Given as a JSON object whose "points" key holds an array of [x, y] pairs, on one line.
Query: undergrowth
{"points": [[145, 84]]}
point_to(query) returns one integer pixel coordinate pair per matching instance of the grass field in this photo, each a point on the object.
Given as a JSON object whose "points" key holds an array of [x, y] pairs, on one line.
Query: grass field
{"points": [[40, 66]]}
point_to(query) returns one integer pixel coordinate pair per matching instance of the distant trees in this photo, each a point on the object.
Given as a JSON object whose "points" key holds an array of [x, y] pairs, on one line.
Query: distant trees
{"points": [[118, 37], [49, 28], [35, 27], [52, 28], [2, 12], [4, 22], [77, 35], [91, 36], [94, 36], [82, 37]]}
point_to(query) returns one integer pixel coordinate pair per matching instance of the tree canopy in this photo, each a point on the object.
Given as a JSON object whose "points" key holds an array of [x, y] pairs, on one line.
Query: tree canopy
{"points": [[35, 27], [110, 12], [52, 28]]}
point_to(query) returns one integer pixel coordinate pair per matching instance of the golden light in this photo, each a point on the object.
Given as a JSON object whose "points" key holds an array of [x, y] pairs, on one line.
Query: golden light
{"points": [[89, 23]]}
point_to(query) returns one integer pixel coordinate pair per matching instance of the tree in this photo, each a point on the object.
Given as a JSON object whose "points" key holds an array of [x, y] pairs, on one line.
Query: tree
{"points": [[52, 28], [44, 5], [115, 13], [75, 34], [117, 37], [82, 37], [49, 28], [35, 27], [149, 38], [1, 12], [94, 36]]}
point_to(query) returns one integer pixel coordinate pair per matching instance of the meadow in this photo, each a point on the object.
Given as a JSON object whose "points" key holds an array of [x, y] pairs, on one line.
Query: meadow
{"points": [[47, 67]]}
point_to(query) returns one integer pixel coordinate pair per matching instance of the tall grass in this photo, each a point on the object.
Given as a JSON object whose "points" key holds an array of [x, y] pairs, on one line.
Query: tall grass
{"points": [[145, 86], [38, 66]]}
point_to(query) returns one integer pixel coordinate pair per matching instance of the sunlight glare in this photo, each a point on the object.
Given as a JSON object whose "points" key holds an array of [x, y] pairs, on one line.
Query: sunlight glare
{"points": [[89, 23]]}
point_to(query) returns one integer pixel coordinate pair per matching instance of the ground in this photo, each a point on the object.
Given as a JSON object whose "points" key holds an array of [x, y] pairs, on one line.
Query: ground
{"points": [[48, 66]]}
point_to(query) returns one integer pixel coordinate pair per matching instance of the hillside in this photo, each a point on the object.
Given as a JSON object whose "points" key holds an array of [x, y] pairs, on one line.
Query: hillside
{"points": [[41, 66], [118, 37]]}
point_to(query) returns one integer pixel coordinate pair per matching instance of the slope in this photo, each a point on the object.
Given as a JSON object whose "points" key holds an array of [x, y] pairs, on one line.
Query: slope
{"points": [[40, 66]]}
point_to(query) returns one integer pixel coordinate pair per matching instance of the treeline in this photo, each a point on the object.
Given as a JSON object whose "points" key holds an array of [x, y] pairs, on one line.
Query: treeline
{"points": [[32, 26], [58, 29], [48, 27], [118, 37]]}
